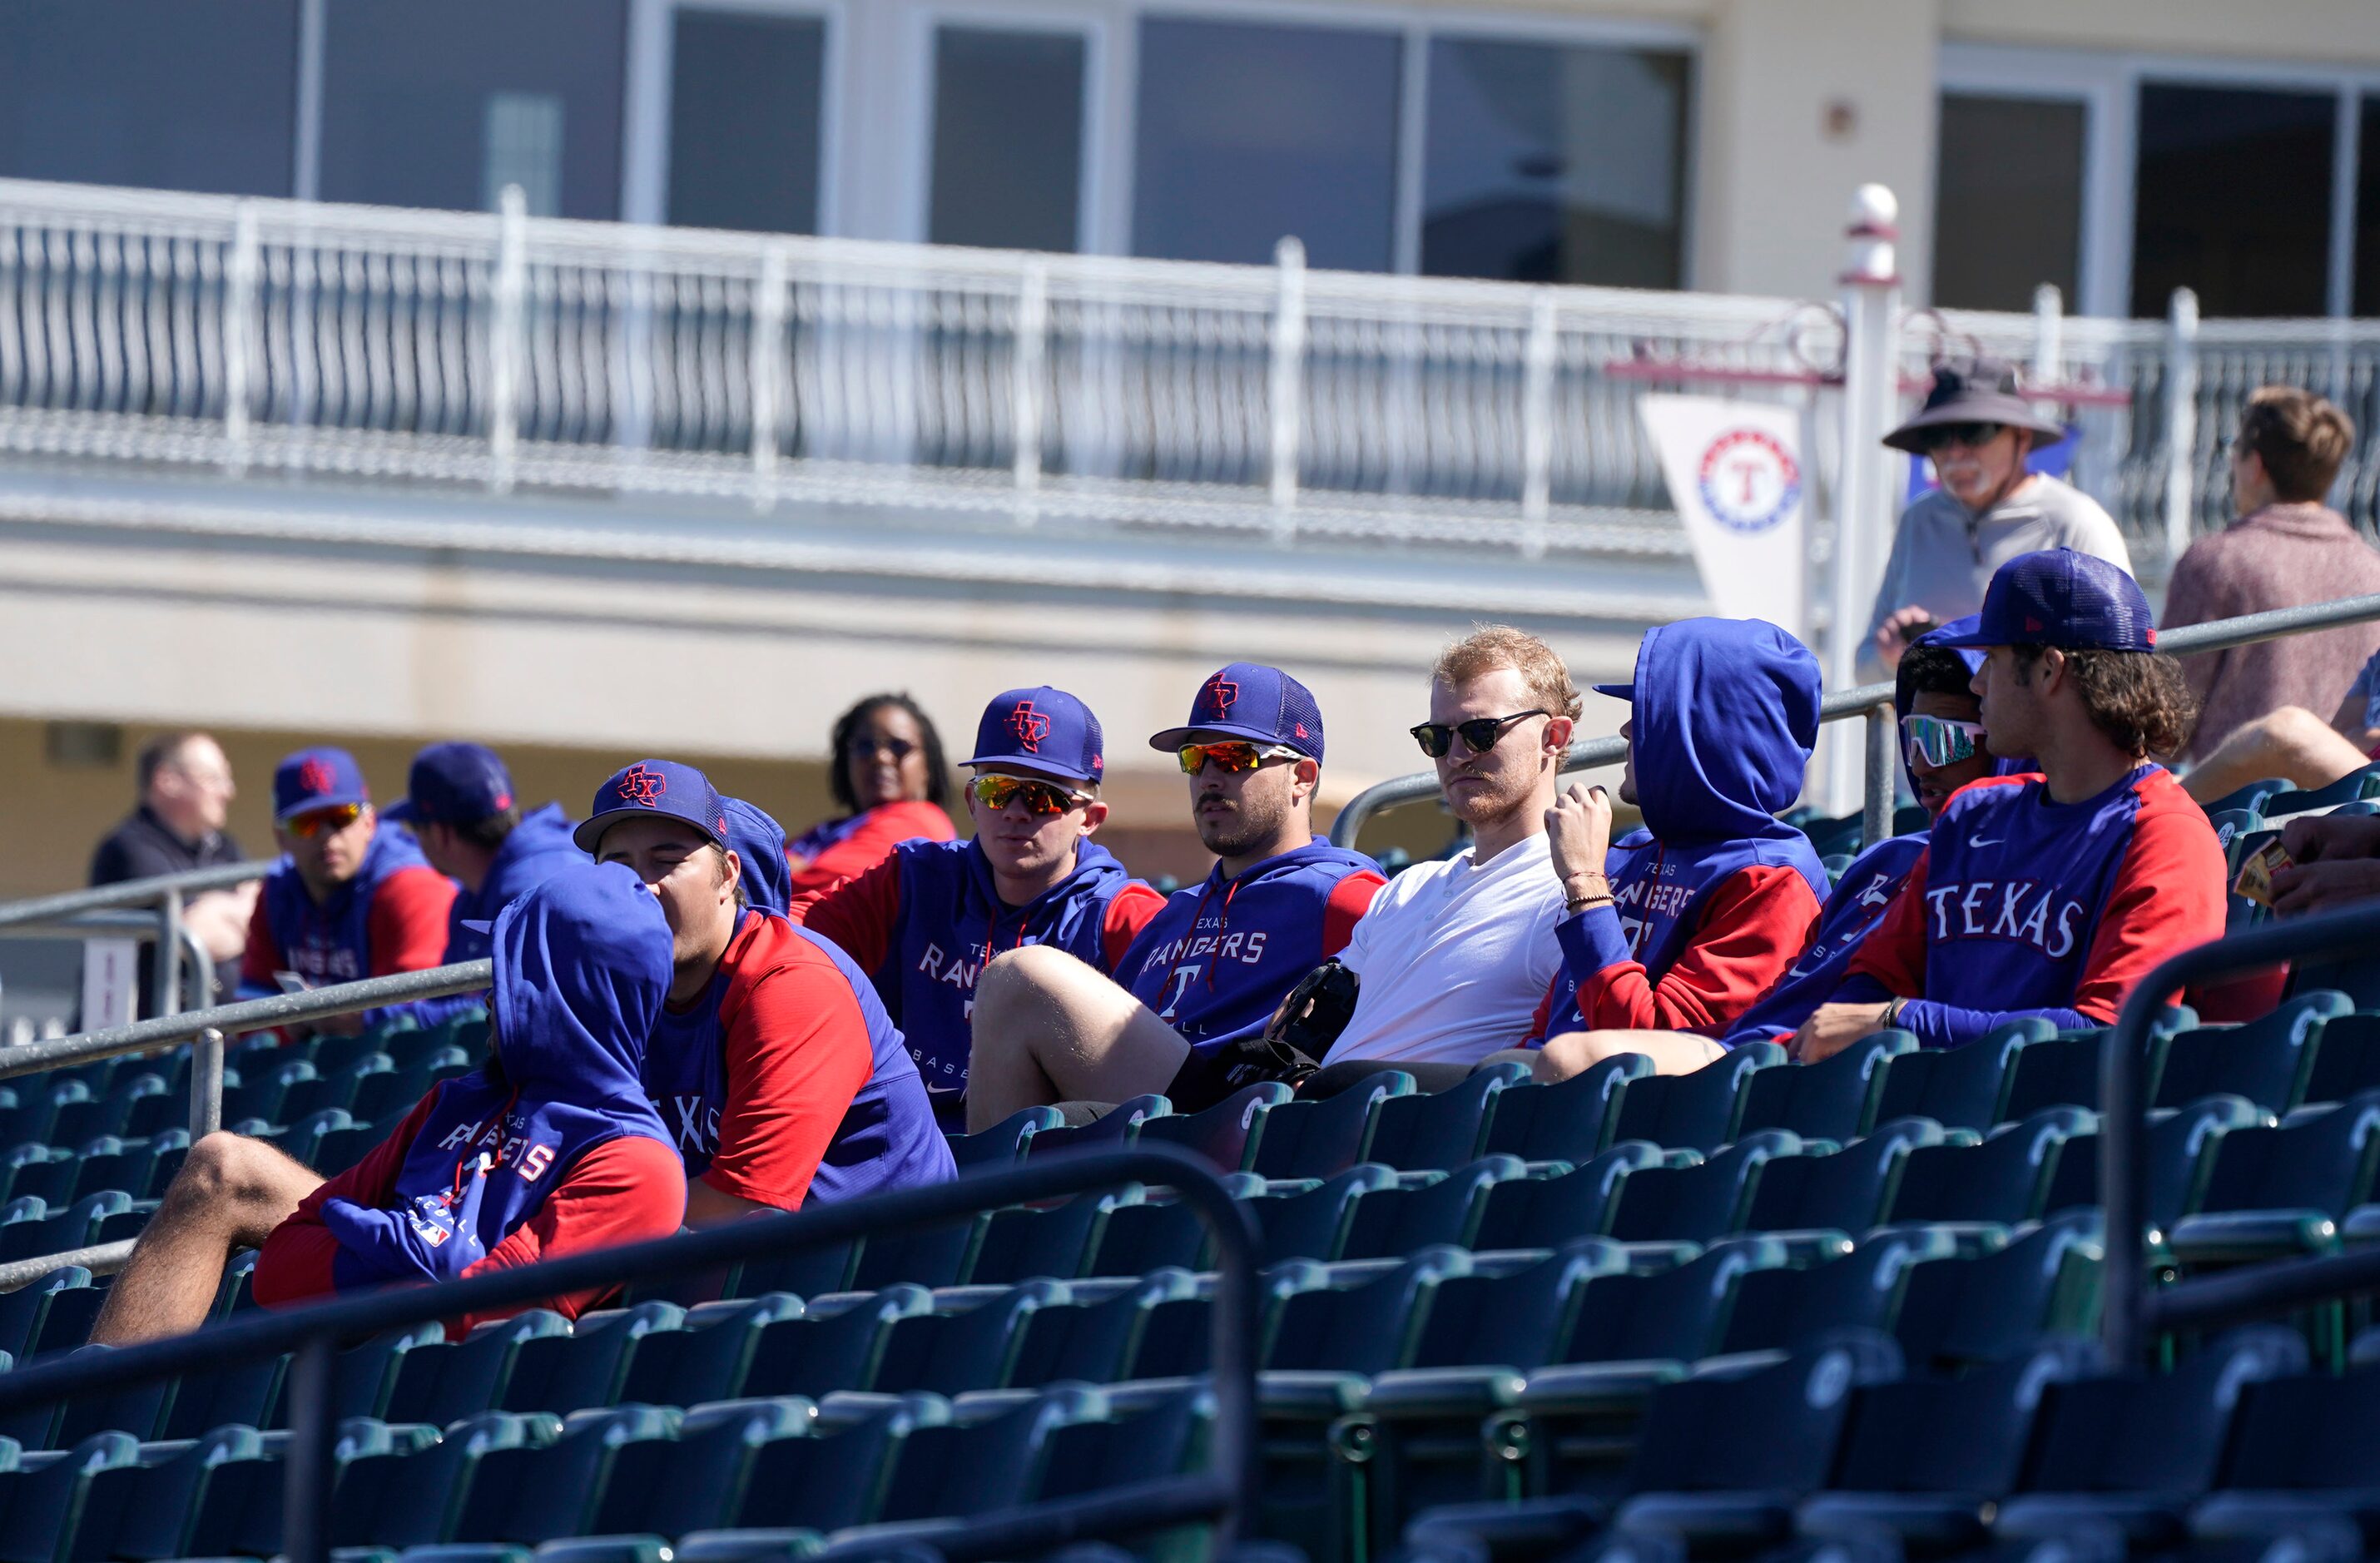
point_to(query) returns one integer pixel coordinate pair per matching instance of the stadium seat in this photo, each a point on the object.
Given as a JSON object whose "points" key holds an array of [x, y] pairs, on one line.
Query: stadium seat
{"points": [[1225, 1136], [1390, 1222], [1316, 1139], [1546, 1213], [412, 1498], [2348, 1062], [837, 1478], [41, 1507], [585, 1369], [1983, 1188], [444, 1382], [988, 1457], [1696, 1202], [1159, 1232], [149, 1510], [2351, 788], [708, 1357], [2303, 1447], [1109, 1131], [696, 1481], [2249, 797], [1816, 1202], [834, 1343], [1697, 1111], [536, 1493], [933, 1256], [1571, 1122], [2063, 1071], [1957, 1314], [2181, 1145], [965, 1342], [812, 1271], [1005, 1141], [1835, 1100], [1295, 1220], [2275, 1192], [1957, 1087], [1091, 1335], [2266, 1060], [1052, 1242], [1440, 1130], [1778, 1310]]}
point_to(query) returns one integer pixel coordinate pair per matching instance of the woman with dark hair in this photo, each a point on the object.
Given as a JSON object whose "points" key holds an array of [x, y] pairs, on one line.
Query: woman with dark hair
{"points": [[889, 776]]}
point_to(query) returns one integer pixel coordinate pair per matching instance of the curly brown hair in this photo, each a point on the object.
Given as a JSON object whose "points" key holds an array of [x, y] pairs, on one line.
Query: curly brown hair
{"points": [[2140, 700]]}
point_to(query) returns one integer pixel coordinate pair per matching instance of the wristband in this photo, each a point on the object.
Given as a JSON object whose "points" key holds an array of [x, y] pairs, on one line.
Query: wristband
{"points": [[1892, 1012], [1582, 903]]}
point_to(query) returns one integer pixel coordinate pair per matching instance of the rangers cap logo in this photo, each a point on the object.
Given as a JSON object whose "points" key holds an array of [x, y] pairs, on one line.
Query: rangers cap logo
{"points": [[1221, 694], [1029, 725], [315, 776], [638, 785]]}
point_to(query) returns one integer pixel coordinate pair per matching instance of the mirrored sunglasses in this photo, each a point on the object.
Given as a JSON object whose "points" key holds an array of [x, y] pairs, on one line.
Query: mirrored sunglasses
{"points": [[306, 826], [1039, 797], [1233, 755], [1937, 740]]}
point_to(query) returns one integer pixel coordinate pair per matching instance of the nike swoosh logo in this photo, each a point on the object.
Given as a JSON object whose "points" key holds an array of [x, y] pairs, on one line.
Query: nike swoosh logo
{"points": [[1981, 841]]}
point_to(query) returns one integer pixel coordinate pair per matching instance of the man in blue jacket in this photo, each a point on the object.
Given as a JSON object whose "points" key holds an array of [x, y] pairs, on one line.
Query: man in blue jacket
{"points": [[923, 923], [460, 805], [1212, 966]]}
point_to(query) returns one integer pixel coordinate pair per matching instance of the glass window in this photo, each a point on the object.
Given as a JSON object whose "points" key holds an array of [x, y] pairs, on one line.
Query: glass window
{"points": [[165, 94], [1248, 132], [2367, 212], [2008, 200], [1553, 164], [440, 103], [1008, 138], [744, 121], [2233, 199]]}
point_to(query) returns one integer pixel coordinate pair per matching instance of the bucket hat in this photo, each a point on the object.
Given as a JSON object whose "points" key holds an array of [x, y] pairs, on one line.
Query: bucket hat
{"points": [[1983, 392]]}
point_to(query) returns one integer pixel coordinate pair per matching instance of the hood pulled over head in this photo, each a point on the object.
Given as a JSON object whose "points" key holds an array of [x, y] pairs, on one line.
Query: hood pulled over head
{"points": [[1726, 714], [758, 843]]}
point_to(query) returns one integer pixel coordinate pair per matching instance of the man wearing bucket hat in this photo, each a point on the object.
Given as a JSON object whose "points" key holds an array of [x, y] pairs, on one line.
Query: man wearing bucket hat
{"points": [[778, 1075], [348, 900], [923, 922], [1209, 969], [1977, 429], [2050, 893]]}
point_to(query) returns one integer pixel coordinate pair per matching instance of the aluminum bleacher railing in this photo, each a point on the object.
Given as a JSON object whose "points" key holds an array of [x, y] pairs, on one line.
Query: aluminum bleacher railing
{"points": [[1223, 1494], [1873, 702], [115, 909]]}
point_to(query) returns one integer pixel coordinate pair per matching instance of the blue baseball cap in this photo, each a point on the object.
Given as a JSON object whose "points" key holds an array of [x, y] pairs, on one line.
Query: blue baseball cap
{"points": [[650, 787], [2057, 597], [1042, 729], [313, 779], [454, 785], [1250, 700]]}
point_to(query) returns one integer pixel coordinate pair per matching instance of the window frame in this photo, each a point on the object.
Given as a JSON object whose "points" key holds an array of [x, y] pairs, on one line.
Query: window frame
{"points": [[2108, 83]]}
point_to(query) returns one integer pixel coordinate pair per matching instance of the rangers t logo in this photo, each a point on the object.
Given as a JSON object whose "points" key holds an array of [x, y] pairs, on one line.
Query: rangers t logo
{"points": [[1029, 725], [1221, 694], [638, 785], [314, 777]]}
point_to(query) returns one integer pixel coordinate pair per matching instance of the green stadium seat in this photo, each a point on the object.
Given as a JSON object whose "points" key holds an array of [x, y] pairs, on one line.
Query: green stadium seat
{"points": [[1440, 1130], [1225, 1136], [834, 1344], [1777, 1311], [150, 1509], [1695, 1202], [936, 1256], [988, 1457], [1090, 1336], [2351, 788], [1571, 1122], [809, 1272], [585, 1369], [2348, 1062], [1546, 1212], [1052, 1242], [659, 1488], [409, 1499], [1818, 1203], [1956, 1313], [708, 1357], [1160, 1231], [1987, 1187], [42, 1510], [75, 1226], [1318, 1139], [1311, 1222], [2249, 797], [1959, 1088], [441, 1382], [2302, 1448], [1425, 1209], [1835, 1100], [1697, 1111], [965, 1343], [1109, 1131], [2275, 1191], [801, 1488], [1005, 1141], [2266, 1060], [535, 1494], [2181, 1145]]}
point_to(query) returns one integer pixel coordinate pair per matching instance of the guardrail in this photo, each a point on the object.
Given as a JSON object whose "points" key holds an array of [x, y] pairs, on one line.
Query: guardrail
{"points": [[2132, 1312], [509, 350], [1873, 701], [167, 894], [1224, 1494]]}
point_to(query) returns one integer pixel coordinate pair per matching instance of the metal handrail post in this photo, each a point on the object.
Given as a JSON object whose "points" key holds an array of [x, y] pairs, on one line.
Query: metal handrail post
{"points": [[310, 1464], [2128, 1310], [1883, 776], [1229, 1492], [167, 965], [206, 1083]]}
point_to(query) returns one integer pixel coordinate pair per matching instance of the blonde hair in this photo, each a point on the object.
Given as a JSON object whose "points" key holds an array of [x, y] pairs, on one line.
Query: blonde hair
{"points": [[1489, 646]]}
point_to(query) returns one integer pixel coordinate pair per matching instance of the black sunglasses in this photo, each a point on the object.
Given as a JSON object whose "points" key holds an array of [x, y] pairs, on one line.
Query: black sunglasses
{"points": [[1479, 734], [1972, 435]]}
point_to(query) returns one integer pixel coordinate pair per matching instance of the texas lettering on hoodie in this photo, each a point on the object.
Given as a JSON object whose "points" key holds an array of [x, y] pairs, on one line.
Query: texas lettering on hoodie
{"points": [[922, 923], [1715, 898], [1217, 960], [2022, 906], [554, 1150]]}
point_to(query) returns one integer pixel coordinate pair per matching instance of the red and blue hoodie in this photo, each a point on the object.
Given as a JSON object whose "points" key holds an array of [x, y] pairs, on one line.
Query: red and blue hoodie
{"points": [[550, 1148], [922, 923], [390, 917], [1216, 961], [533, 851], [1715, 898]]}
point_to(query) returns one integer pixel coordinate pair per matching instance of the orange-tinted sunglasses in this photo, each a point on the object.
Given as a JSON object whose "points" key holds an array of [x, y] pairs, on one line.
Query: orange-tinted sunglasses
{"points": [[1041, 797], [306, 826]]}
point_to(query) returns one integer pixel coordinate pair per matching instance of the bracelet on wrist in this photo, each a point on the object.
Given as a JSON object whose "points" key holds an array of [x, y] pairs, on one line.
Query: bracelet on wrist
{"points": [[1585, 903]]}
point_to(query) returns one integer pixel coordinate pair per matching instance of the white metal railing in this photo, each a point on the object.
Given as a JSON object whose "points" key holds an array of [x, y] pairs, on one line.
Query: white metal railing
{"points": [[507, 350]]}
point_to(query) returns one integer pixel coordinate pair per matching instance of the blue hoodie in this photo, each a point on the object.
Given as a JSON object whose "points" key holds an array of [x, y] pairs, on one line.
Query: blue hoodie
{"points": [[532, 852], [1218, 959], [332, 942], [582, 963], [1726, 711], [758, 843]]}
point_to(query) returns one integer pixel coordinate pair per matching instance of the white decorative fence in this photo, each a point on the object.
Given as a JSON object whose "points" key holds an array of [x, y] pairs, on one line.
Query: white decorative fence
{"points": [[507, 351]]}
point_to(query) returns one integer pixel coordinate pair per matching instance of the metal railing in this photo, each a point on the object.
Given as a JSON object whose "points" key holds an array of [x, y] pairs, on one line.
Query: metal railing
{"points": [[104, 908], [2133, 1312], [516, 351], [1873, 702], [1225, 1493]]}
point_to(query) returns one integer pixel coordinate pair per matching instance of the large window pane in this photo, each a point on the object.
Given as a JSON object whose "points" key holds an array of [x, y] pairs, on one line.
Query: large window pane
{"points": [[1008, 138], [2367, 213], [167, 94], [744, 121], [1250, 132], [1549, 164], [2008, 211], [2233, 199], [441, 103]]}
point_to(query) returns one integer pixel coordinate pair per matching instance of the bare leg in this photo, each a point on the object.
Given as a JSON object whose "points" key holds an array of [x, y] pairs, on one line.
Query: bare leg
{"points": [[229, 1195], [2291, 742], [1575, 1052], [1048, 1029]]}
